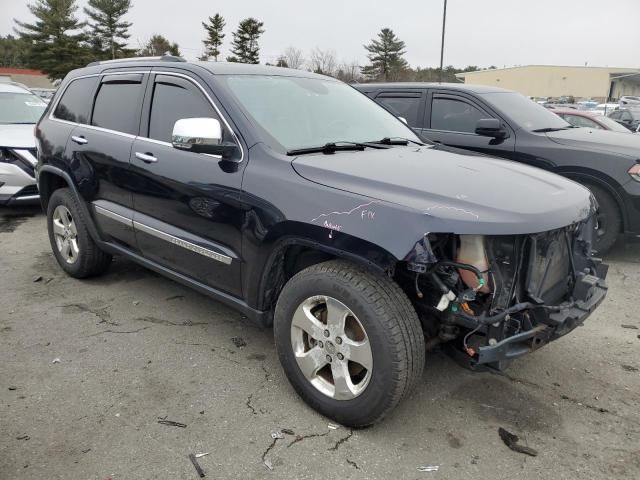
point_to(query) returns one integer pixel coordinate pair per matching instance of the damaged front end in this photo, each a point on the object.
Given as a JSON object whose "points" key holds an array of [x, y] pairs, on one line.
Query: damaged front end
{"points": [[496, 298]]}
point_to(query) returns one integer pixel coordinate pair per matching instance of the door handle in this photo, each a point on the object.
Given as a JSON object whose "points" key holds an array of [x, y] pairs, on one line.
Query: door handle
{"points": [[146, 157], [79, 140]]}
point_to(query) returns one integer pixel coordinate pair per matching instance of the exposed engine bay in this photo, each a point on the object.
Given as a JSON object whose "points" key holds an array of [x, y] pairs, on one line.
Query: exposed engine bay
{"points": [[495, 298]]}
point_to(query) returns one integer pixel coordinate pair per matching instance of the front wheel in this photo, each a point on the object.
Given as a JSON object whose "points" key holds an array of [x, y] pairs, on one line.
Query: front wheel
{"points": [[609, 220], [349, 341]]}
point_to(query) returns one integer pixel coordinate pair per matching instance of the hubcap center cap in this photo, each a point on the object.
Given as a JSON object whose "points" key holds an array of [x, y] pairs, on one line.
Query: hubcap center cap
{"points": [[330, 348]]}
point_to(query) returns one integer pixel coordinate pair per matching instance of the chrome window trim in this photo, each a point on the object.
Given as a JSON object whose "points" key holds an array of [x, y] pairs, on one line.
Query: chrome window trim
{"points": [[182, 243], [138, 137]]}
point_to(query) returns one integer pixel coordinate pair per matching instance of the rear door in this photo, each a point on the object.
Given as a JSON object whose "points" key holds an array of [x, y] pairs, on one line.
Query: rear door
{"points": [[188, 217], [451, 118], [102, 151], [407, 104]]}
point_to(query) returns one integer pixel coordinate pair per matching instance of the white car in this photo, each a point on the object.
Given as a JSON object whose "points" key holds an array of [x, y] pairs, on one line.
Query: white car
{"points": [[19, 111], [630, 101]]}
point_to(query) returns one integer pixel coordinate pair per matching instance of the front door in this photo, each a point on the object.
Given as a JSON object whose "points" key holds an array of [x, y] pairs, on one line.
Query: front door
{"points": [[451, 119], [187, 215]]}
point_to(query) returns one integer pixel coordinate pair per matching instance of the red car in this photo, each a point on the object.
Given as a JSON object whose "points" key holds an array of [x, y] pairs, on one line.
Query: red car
{"points": [[586, 118]]}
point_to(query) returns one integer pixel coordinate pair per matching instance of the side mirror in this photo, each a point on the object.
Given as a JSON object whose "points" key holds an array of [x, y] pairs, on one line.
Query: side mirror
{"points": [[490, 127], [201, 135]]}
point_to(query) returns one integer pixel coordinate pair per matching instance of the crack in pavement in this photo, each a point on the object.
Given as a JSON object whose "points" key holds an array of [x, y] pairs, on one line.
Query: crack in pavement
{"points": [[341, 441], [103, 315], [162, 321], [266, 452], [353, 464], [562, 396], [117, 331], [249, 406], [300, 438]]}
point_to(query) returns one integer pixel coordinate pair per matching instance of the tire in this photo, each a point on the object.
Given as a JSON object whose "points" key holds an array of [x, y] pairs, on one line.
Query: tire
{"points": [[378, 315], [73, 247], [609, 220]]}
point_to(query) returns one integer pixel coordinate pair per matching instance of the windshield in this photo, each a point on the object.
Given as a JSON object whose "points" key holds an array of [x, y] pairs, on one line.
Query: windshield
{"points": [[611, 124], [526, 114], [20, 107], [307, 112]]}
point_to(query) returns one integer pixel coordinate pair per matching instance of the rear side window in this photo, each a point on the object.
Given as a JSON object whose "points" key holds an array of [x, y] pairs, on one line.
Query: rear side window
{"points": [[117, 105], [454, 115], [174, 99], [405, 106], [75, 104]]}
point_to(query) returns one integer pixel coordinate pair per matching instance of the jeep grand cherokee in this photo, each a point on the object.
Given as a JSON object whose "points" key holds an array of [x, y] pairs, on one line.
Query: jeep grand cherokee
{"points": [[304, 204]]}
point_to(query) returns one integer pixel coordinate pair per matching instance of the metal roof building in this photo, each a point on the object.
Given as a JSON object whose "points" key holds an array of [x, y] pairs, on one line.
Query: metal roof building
{"points": [[557, 81]]}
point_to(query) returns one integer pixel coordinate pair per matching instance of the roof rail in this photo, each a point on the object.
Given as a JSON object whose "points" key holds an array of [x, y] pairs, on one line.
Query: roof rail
{"points": [[163, 58]]}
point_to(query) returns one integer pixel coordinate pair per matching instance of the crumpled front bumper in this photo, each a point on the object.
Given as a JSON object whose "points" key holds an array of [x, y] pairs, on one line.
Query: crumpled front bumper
{"points": [[588, 294]]}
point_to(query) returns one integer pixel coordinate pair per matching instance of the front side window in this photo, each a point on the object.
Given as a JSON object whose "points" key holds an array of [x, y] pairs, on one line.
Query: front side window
{"points": [[75, 104], [406, 107], [173, 100], [117, 106], [579, 121], [16, 108], [522, 112], [301, 112], [454, 115]]}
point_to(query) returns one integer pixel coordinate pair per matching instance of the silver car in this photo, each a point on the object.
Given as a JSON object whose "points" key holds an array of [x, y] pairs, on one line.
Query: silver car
{"points": [[19, 111]]}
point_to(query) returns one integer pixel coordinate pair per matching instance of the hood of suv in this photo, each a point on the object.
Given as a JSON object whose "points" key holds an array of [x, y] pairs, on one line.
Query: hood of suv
{"points": [[459, 192], [17, 136], [599, 140]]}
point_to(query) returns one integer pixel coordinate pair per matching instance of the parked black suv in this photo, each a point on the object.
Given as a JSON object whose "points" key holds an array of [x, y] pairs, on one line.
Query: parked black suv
{"points": [[302, 203], [506, 124]]}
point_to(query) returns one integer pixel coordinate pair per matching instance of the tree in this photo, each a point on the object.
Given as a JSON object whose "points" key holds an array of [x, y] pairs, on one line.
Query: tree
{"points": [[14, 52], [349, 72], [158, 46], [282, 62], [294, 58], [214, 36], [323, 61], [108, 30], [385, 55], [245, 41], [57, 37]]}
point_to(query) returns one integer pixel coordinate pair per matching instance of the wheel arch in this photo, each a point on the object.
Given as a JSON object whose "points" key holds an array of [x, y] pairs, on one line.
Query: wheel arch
{"points": [[50, 179], [292, 252], [600, 180]]}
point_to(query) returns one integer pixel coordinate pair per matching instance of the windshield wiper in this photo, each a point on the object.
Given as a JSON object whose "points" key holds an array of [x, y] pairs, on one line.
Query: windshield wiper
{"points": [[549, 129], [395, 141], [328, 148]]}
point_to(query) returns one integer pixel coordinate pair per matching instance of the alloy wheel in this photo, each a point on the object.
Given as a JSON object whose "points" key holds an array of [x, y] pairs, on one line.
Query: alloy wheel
{"points": [[331, 347], [65, 234]]}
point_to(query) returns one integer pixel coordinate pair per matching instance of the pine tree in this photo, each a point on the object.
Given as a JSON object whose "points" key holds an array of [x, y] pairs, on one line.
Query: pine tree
{"points": [[158, 46], [385, 55], [245, 41], [214, 36], [108, 29], [59, 44]]}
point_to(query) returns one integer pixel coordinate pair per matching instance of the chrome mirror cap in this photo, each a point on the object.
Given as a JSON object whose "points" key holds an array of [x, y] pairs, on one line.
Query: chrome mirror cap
{"points": [[196, 134]]}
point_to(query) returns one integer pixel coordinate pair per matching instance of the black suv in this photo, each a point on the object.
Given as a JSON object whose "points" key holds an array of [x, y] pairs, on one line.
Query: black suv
{"points": [[303, 204], [506, 124]]}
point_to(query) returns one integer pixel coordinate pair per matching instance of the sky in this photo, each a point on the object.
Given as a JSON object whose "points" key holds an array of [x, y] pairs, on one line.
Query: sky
{"points": [[478, 32]]}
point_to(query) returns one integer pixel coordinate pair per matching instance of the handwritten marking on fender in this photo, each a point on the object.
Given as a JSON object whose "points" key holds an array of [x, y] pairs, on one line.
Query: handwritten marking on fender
{"points": [[364, 215], [332, 226], [444, 207]]}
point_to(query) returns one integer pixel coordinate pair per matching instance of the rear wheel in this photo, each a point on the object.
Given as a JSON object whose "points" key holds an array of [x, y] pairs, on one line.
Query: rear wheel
{"points": [[609, 220], [73, 247], [349, 341]]}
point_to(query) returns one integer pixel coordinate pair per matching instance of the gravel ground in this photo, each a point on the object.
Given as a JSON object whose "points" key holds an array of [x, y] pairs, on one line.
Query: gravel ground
{"points": [[88, 369]]}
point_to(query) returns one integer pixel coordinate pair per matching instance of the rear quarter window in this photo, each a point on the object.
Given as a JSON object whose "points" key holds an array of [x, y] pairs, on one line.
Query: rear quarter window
{"points": [[75, 104]]}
